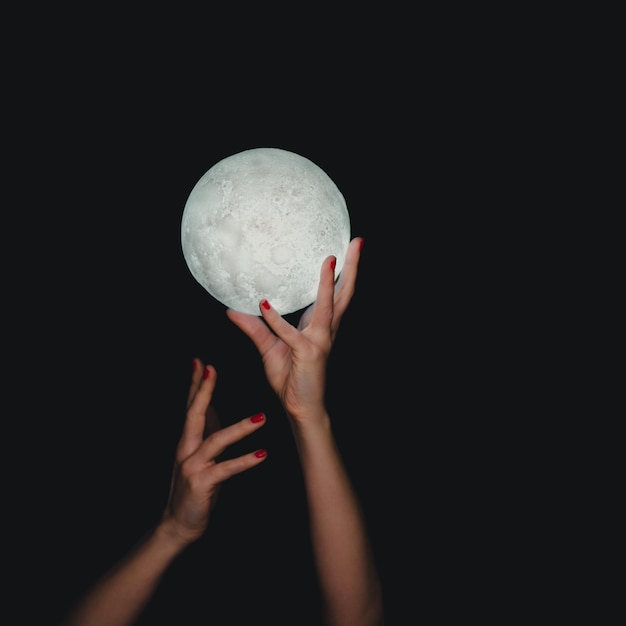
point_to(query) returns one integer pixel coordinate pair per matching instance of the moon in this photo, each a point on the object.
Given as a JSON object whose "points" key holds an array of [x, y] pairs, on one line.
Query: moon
{"points": [[258, 224]]}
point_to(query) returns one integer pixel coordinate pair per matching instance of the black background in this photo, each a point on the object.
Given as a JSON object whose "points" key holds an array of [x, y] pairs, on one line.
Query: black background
{"points": [[111, 128]]}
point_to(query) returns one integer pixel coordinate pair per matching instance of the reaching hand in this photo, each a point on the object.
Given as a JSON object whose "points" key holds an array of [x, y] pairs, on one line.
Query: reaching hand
{"points": [[295, 358], [122, 593], [197, 472]]}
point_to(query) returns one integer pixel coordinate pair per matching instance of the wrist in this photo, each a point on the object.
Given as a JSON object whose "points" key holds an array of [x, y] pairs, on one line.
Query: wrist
{"points": [[311, 428], [309, 419], [170, 537]]}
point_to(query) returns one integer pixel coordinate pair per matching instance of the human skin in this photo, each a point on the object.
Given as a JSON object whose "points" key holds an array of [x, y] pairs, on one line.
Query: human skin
{"points": [[120, 596], [295, 362]]}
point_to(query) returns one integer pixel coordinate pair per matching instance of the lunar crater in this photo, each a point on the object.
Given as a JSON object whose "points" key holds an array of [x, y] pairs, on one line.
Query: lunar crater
{"points": [[259, 224]]}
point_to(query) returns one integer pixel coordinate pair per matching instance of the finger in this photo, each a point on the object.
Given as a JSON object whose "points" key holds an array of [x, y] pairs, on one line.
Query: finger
{"points": [[347, 277], [345, 286], [226, 469], [197, 369], [195, 421], [323, 311], [254, 327], [218, 442], [281, 328]]}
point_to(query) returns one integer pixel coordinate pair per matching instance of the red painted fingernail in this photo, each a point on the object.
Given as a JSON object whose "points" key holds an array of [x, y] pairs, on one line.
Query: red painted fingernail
{"points": [[259, 454], [259, 417], [361, 242], [333, 263], [265, 304], [207, 373]]}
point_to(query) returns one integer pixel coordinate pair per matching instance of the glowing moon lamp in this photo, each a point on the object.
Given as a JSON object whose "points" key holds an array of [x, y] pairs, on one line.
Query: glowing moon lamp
{"points": [[258, 224]]}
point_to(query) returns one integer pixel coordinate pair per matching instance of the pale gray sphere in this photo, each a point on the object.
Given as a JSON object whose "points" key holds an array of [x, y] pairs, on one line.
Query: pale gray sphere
{"points": [[259, 224]]}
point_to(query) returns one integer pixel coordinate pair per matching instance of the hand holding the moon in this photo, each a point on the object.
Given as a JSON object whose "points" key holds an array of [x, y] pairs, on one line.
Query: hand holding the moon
{"points": [[295, 359], [295, 365]]}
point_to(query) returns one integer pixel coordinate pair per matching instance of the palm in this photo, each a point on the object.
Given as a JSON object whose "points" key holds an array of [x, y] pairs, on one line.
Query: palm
{"points": [[291, 355], [278, 364]]}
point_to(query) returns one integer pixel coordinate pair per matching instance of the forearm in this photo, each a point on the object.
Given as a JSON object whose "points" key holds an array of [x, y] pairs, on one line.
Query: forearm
{"points": [[120, 596], [347, 572]]}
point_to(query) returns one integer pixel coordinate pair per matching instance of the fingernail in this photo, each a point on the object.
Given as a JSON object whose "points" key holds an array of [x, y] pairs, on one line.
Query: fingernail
{"points": [[361, 243], [259, 417], [207, 372], [333, 263], [259, 454], [265, 304]]}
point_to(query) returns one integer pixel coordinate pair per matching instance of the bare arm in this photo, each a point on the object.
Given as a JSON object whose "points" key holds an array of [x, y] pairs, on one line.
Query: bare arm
{"points": [[346, 567], [295, 364], [120, 596]]}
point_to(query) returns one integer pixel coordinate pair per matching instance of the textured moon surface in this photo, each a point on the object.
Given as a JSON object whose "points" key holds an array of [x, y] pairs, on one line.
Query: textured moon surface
{"points": [[258, 224]]}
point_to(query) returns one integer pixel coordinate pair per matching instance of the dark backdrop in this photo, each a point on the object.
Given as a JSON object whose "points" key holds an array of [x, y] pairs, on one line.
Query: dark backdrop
{"points": [[105, 319]]}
